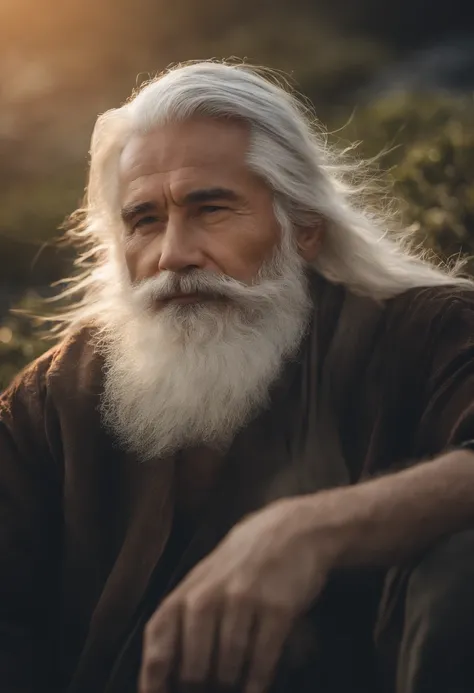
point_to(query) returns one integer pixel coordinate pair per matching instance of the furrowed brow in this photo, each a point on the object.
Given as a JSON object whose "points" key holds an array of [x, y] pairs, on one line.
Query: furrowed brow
{"points": [[129, 212], [211, 195]]}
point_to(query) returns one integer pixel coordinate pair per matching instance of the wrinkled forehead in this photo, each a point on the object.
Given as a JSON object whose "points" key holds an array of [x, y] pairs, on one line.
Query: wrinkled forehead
{"points": [[206, 144], [171, 160]]}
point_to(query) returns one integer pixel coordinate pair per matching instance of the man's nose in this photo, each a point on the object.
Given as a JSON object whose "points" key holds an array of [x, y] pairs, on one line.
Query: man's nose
{"points": [[179, 250]]}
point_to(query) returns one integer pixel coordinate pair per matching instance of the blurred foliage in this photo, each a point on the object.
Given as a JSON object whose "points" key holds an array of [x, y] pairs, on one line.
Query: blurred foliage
{"points": [[427, 146], [20, 340], [34, 209]]}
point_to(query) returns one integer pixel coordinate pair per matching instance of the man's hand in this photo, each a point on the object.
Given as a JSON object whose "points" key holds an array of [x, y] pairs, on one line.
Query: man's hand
{"points": [[237, 606]]}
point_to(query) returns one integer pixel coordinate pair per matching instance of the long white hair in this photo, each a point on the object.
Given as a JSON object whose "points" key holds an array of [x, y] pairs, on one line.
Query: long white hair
{"points": [[311, 184]]}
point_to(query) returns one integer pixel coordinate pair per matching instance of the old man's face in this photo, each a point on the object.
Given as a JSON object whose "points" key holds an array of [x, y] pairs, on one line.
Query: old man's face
{"points": [[216, 294], [190, 202]]}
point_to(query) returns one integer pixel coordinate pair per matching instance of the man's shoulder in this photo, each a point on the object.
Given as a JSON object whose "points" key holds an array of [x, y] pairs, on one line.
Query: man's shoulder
{"points": [[429, 329], [70, 366], [52, 392], [429, 308]]}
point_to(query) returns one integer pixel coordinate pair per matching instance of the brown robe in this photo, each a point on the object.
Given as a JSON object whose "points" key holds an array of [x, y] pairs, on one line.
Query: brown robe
{"points": [[84, 523]]}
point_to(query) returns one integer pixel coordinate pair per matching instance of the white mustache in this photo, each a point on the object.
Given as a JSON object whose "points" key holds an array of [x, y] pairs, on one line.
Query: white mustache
{"points": [[170, 284]]}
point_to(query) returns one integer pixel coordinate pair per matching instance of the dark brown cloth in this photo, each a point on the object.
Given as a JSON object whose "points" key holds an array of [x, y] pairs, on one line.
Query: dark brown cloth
{"points": [[83, 523]]}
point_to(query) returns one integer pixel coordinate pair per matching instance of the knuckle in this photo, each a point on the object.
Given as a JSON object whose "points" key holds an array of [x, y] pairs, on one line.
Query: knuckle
{"points": [[239, 597], [197, 604], [241, 593], [155, 667], [156, 651], [158, 663]]}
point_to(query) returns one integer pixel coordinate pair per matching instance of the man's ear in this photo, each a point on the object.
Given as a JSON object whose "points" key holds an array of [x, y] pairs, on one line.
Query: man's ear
{"points": [[309, 240]]}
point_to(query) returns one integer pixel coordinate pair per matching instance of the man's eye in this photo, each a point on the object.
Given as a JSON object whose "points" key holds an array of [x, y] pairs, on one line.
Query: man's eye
{"points": [[145, 221], [209, 209]]}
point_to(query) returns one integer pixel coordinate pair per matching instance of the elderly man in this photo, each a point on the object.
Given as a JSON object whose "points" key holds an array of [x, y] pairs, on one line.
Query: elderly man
{"points": [[248, 463]]}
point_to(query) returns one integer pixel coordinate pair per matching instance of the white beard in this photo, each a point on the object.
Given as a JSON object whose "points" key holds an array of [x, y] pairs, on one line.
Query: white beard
{"points": [[195, 374]]}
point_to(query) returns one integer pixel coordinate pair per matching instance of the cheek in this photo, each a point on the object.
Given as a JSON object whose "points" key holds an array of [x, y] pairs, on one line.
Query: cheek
{"points": [[250, 251], [137, 258], [131, 262]]}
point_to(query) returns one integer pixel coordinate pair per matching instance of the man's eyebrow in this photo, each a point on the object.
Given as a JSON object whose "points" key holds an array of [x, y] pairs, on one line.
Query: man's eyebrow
{"points": [[210, 194], [129, 212]]}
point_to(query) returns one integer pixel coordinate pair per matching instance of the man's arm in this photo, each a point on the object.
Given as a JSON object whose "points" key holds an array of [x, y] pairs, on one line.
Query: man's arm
{"points": [[275, 563], [387, 520]]}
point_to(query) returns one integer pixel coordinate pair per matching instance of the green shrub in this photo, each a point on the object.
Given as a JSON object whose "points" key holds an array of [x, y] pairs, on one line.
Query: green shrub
{"points": [[429, 144]]}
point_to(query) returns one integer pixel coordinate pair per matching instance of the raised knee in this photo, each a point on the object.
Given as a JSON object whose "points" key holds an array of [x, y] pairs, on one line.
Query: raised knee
{"points": [[440, 594]]}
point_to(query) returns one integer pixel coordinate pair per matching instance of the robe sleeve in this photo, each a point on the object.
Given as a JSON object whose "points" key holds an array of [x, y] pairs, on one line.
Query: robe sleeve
{"points": [[30, 525], [447, 419]]}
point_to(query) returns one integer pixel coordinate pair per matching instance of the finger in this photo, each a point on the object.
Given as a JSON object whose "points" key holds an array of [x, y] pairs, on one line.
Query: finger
{"points": [[270, 636], [233, 640], [199, 625], [160, 647]]}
